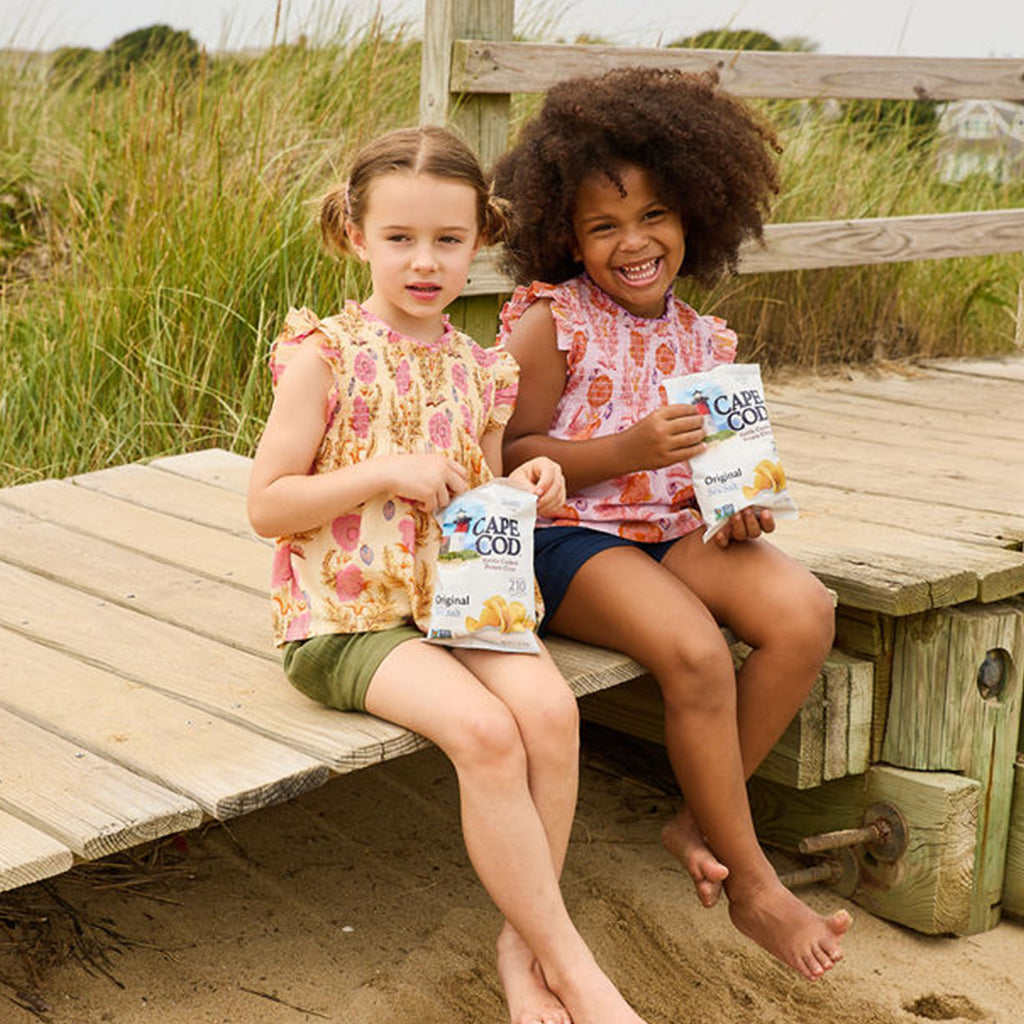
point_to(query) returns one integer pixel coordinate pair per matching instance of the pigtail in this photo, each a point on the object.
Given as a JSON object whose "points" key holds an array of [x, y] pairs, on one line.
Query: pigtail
{"points": [[334, 212], [495, 219]]}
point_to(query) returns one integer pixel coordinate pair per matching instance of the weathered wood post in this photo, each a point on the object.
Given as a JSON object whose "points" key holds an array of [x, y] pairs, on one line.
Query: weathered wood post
{"points": [[1013, 881], [956, 706], [482, 120]]}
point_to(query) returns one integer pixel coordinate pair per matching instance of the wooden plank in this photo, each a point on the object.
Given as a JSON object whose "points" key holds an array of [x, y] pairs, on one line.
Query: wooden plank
{"points": [[229, 681], [535, 67], [870, 635], [92, 805], [482, 120], [590, 669], [819, 245], [888, 583], [435, 61], [944, 392], [1002, 367], [1013, 883], [848, 685], [929, 887], [933, 441], [216, 610], [28, 855], [826, 400], [636, 708], [216, 466], [815, 245], [981, 484], [224, 769], [860, 675], [209, 552], [247, 691], [957, 572], [967, 526], [835, 722], [172, 494], [940, 719]]}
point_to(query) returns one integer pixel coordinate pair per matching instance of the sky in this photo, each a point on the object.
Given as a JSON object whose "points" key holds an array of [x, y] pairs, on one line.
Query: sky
{"points": [[920, 28]]}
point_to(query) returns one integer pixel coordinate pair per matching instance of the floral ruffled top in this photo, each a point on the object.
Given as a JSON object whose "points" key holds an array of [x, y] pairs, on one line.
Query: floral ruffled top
{"points": [[616, 363], [373, 568]]}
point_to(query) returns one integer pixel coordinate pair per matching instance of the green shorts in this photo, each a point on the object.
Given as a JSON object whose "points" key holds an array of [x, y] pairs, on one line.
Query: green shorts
{"points": [[336, 669]]}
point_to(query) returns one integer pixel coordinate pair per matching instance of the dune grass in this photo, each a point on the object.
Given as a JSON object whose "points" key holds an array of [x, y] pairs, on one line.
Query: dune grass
{"points": [[153, 234]]}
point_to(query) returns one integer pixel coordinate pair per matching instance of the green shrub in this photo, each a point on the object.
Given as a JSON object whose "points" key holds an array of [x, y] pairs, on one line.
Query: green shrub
{"points": [[158, 45]]}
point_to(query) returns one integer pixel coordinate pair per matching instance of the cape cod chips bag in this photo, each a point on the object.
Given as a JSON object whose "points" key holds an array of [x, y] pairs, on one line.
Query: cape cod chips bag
{"points": [[484, 593], [741, 467]]}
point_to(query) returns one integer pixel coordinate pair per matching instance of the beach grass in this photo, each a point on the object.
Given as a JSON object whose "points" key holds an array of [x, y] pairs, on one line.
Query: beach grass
{"points": [[154, 232]]}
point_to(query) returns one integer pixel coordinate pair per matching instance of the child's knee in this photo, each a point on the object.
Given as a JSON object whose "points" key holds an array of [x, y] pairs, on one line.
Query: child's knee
{"points": [[488, 740], [696, 672], [811, 619], [554, 719]]}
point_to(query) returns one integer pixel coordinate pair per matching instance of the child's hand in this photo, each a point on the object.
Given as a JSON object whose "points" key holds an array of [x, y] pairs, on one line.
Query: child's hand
{"points": [[429, 480], [541, 476], [747, 524], [670, 434]]}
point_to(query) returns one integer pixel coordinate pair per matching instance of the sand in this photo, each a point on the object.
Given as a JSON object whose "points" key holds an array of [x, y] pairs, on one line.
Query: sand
{"points": [[356, 904]]}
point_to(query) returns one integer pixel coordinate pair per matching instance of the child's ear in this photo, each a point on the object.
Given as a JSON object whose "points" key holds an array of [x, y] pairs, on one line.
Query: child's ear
{"points": [[356, 238]]}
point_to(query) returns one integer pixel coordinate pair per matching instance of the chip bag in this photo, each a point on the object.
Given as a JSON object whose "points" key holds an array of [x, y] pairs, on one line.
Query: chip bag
{"points": [[484, 592], [741, 467]]}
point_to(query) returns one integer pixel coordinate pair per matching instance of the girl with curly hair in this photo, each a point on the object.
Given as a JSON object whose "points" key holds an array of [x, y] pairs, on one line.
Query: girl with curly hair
{"points": [[620, 184]]}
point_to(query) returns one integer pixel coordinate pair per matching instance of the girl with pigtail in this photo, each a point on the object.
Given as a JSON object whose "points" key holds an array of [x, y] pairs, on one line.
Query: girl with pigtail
{"points": [[382, 414]]}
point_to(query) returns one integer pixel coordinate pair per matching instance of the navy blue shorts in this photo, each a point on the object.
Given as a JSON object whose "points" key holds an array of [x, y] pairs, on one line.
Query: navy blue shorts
{"points": [[560, 551]]}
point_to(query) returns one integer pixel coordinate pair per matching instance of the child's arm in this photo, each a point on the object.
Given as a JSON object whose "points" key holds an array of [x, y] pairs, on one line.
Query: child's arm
{"points": [[284, 497], [670, 434], [541, 476]]}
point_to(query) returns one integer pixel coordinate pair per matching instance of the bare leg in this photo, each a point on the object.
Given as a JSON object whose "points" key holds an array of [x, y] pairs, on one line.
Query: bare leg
{"points": [[548, 719], [787, 617], [427, 689], [788, 621], [702, 719]]}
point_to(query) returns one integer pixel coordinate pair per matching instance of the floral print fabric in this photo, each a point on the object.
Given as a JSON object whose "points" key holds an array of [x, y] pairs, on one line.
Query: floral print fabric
{"points": [[616, 363], [373, 568]]}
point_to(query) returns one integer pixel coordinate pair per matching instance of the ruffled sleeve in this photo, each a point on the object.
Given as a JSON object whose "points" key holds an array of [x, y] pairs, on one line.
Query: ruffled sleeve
{"points": [[722, 340], [299, 324], [505, 375], [572, 320]]}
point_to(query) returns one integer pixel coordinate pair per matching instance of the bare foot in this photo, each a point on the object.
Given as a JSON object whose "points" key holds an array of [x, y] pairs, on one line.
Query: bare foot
{"points": [[682, 838], [788, 929], [591, 998], [529, 999]]}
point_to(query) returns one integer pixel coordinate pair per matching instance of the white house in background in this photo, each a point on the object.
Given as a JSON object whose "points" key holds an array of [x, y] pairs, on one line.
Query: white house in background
{"points": [[981, 137]]}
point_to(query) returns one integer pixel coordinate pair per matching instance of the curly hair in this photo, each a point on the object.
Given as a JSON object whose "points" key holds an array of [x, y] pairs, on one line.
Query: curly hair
{"points": [[710, 156]]}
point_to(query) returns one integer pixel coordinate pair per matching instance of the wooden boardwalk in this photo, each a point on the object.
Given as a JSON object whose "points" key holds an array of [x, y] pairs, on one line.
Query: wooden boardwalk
{"points": [[140, 693]]}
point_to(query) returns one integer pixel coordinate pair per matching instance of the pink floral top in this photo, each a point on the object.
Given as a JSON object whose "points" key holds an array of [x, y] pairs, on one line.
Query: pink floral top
{"points": [[615, 365], [373, 568]]}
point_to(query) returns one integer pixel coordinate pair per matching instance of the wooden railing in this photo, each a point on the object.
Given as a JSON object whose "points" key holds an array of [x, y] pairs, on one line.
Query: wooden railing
{"points": [[470, 69]]}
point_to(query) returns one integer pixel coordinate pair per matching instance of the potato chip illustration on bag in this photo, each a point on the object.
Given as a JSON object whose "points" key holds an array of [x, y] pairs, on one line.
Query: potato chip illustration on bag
{"points": [[484, 592], [741, 466]]}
